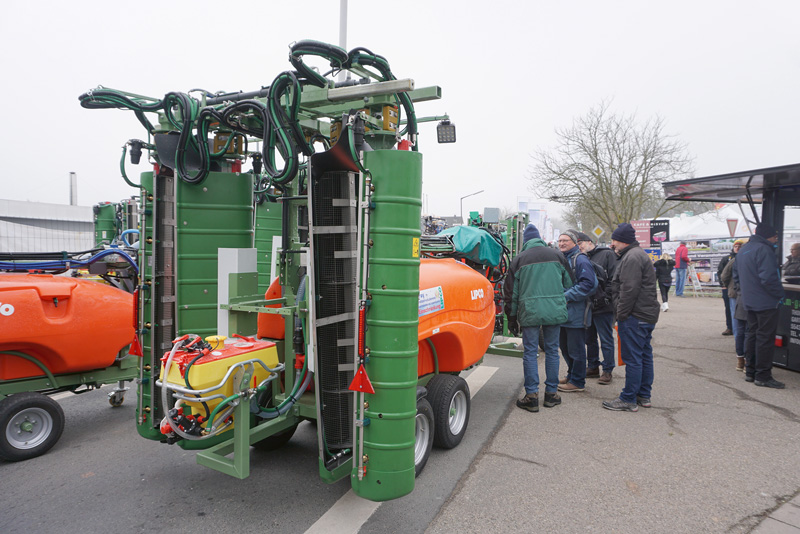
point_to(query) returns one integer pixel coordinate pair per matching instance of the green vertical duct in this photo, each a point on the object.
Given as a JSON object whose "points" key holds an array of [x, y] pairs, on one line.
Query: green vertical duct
{"points": [[392, 322], [105, 228], [268, 225], [217, 213]]}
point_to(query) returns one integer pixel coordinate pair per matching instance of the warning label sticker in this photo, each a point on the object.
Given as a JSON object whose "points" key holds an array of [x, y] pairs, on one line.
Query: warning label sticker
{"points": [[415, 248], [431, 300]]}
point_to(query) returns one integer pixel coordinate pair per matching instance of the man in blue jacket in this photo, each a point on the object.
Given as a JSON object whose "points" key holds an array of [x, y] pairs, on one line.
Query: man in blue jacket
{"points": [[533, 294], [579, 309], [756, 272]]}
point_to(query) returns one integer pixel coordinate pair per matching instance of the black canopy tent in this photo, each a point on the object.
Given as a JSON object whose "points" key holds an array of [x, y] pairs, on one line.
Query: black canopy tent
{"points": [[774, 188]]}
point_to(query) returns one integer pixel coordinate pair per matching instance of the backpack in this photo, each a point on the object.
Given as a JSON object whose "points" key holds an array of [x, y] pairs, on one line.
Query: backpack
{"points": [[599, 298]]}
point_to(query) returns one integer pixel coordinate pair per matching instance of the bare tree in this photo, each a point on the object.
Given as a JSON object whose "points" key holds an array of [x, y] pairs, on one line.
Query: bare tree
{"points": [[609, 168]]}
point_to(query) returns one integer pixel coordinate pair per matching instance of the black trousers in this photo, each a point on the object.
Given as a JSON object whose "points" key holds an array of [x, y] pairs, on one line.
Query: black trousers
{"points": [[728, 321], [759, 343], [664, 291]]}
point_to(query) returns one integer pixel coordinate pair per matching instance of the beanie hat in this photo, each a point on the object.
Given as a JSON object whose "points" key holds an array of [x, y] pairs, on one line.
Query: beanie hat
{"points": [[572, 234], [740, 242], [584, 237], [766, 231], [624, 234], [531, 232]]}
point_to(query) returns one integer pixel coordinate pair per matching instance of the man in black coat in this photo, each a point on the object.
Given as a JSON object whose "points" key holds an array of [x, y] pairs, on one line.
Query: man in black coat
{"points": [[602, 314], [636, 306], [756, 273]]}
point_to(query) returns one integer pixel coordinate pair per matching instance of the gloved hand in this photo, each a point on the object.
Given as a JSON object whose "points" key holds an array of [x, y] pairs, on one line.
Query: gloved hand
{"points": [[513, 326]]}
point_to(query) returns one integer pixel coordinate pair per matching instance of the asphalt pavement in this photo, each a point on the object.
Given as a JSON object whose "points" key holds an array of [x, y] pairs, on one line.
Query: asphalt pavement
{"points": [[713, 454]]}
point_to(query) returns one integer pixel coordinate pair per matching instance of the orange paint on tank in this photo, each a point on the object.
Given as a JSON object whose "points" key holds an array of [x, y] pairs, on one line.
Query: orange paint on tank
{"points": [[271, 325], [457, 314], [68, 324]]}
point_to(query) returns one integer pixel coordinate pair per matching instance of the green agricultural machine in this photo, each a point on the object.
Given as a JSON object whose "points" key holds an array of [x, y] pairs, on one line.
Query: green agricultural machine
{"points": [[291, 291]]}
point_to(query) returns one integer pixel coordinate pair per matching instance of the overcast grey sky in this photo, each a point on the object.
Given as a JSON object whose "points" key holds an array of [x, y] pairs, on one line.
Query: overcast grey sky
{"points": [[724, 74]]}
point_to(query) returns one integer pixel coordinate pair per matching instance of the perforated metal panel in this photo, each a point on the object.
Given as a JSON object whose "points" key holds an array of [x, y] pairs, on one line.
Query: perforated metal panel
{"points": [[334, 235]]}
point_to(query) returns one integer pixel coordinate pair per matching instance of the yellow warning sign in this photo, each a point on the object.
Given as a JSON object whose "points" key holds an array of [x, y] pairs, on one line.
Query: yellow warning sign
{"points": [[415, 248]]}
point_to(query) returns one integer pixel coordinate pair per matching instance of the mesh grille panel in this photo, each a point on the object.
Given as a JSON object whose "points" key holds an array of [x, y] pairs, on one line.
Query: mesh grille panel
{"points": [[335, 241]]}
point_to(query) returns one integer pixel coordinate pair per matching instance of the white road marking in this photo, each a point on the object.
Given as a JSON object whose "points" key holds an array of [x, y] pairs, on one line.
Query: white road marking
{"points": [[347, 516], [478, 378], [350, 512]]}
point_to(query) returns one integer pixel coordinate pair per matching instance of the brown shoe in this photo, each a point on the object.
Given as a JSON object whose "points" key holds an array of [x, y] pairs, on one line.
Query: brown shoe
{"points": [[569, 388], [593, 373], [740, 363], [728, 332], [605, 378], [562, 381]]}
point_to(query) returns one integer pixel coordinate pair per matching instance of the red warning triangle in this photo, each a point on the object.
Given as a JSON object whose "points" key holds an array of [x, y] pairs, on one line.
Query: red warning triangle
{"points": [[136, 347], [361, 382]]}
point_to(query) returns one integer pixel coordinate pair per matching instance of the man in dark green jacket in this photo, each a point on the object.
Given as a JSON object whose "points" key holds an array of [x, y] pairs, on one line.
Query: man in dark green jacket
{"points": [[533, 293], [633, 288]]}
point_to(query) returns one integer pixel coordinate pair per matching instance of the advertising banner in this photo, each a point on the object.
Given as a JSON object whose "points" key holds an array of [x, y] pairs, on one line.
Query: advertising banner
{"points": [[651, 233]]}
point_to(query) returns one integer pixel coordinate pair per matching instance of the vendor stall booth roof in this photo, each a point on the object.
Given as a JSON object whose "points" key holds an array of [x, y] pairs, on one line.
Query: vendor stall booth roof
{"points": [[737, 186]]}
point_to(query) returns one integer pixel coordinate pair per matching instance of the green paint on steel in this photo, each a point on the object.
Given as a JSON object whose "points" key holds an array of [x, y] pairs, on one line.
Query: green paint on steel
{"points": [[268, 226], [215, 214], [392, 320], [105, 227]]}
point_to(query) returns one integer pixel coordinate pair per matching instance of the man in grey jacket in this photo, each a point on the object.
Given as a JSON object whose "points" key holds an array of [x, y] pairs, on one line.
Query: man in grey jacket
{"points": [[633, 288]]}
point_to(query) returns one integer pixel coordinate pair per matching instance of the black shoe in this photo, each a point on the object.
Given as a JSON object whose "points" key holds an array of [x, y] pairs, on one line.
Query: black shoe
{"points": [[551, 399], [749, 379], [593, 373], [771, 383], [728, 332], [529, 402]]}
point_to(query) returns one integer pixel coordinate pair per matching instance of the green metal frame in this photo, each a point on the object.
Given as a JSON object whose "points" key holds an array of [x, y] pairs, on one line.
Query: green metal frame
{"points": [[122, 369]]}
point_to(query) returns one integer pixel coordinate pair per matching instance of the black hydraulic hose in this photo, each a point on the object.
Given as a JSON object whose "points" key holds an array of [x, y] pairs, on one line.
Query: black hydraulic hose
{"points": [[336, 55], [363, 56]]}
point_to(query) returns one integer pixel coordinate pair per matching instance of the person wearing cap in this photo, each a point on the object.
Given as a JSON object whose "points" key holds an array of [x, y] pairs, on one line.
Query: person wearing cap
{"points": [[756, 273], [534, 300], [738, 315], [730, 327], [573, 331], [682, 261], [602, 314], [636, 305]]}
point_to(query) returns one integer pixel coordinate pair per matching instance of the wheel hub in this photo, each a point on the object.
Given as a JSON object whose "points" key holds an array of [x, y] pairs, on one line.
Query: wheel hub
{"points": [[29, 428]]}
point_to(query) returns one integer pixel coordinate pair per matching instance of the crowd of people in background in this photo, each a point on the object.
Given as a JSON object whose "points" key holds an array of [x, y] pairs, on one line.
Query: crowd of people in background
{"points": [[569, 298]]}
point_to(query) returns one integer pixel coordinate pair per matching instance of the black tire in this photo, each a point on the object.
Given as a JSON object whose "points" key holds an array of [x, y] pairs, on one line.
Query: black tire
{"points": [[279, 439], [30, 424], [449, 396], [423, 435]]}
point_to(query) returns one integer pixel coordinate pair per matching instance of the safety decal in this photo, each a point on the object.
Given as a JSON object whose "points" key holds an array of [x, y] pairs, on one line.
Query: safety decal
{"points": [[6, 309], [415, 248], [431, 300]]}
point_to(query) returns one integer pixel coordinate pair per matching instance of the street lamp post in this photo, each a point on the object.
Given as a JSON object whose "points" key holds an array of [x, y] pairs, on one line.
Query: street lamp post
{"points": [[462, 203]]}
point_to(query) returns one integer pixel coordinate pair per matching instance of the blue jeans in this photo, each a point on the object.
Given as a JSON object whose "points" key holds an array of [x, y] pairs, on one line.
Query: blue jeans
{"points": [[573, 348], [680, 281], [741, 330], [637, 353], [530, 366], [731, 319], [603, 326]]}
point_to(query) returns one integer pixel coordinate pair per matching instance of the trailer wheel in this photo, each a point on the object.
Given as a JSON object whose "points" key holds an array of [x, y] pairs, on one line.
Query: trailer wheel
{"points": [[279, 439], [449, 395], [423, 435], [30, 424]]}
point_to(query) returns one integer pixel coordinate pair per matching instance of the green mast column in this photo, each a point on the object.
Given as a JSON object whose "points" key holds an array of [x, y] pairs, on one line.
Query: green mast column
{"points": [[392, 322]]}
